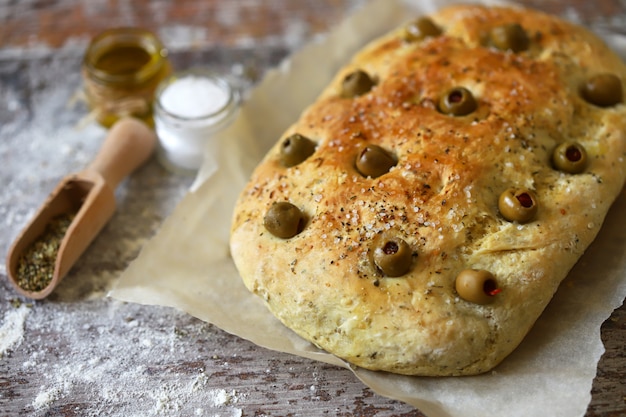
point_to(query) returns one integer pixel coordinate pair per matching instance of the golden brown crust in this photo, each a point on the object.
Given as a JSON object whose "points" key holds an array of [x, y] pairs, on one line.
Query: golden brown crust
{"points": [[441, 197]]}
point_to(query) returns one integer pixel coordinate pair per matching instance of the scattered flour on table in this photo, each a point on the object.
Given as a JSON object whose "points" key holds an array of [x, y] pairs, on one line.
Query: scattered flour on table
{"points": [[12, 329], [115, 382]]}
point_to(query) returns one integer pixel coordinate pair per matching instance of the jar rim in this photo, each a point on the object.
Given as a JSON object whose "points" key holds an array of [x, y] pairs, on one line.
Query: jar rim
{"points": [[104, 42]]}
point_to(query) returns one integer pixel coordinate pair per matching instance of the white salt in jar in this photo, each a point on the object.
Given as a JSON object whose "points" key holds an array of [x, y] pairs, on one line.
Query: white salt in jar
{"points": [[190, 107]]}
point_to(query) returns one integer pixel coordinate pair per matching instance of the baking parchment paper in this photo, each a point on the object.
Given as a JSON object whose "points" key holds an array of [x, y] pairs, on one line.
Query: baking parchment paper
{"points": [[187, 264]]}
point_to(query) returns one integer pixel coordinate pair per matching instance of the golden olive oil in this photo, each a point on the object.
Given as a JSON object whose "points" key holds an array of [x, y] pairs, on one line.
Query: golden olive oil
{"points": [[123, 60]]}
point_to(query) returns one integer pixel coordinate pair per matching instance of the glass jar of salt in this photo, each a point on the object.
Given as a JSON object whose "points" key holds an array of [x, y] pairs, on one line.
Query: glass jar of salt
{"points": [[190, 108]]}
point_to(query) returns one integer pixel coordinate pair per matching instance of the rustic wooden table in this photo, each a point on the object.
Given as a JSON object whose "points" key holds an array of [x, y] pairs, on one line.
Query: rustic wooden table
{"points": [[79, 353]]}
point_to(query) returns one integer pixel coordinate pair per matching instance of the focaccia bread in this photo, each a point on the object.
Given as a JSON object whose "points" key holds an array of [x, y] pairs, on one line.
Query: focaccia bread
{"points": [[421, 213]]}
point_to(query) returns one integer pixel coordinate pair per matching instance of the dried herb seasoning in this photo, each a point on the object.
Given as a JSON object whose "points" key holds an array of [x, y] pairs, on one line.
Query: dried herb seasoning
{"points": [[36, 265]]}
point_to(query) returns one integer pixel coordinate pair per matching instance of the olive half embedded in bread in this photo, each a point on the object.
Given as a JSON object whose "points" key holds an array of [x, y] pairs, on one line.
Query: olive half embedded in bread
{"points": [[570, 157], [476, 286], [356, 84], [457, 101], [374, 161], [284, 220], [603, 90], [518, 205], [295, 149], [421, 28]]}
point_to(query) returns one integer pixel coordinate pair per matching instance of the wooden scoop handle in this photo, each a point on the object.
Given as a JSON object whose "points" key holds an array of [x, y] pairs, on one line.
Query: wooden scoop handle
{"points": [[128, 145]]}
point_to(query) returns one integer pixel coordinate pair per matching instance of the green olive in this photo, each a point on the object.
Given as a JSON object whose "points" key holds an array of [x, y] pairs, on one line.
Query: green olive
{"points": [[457, 101], [476, 286], [509, 37], [295, 149], [392, 255], [603, 90], [284, 220], [374, 161], [421, 28], [570, 157], [518, 205], [356, 84]]}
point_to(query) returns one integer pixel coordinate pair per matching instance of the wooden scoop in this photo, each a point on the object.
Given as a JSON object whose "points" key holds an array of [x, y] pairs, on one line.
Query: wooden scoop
{"points": [[90, 195]]}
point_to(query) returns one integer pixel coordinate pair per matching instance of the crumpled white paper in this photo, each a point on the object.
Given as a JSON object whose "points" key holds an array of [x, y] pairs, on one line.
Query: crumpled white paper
{"points": [[187, 264]]}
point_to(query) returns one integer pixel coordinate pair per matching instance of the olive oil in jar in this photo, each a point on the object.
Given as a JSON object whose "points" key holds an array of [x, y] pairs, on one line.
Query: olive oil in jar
{"points": [[121, 70], [123, 60]]}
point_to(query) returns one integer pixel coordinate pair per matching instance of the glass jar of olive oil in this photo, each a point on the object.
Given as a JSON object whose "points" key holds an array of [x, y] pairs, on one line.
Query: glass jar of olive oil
{"points": [[121, 69]]}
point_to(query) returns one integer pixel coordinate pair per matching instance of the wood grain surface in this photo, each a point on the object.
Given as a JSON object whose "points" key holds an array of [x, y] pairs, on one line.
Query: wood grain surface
{"points": [[80, 353]]}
